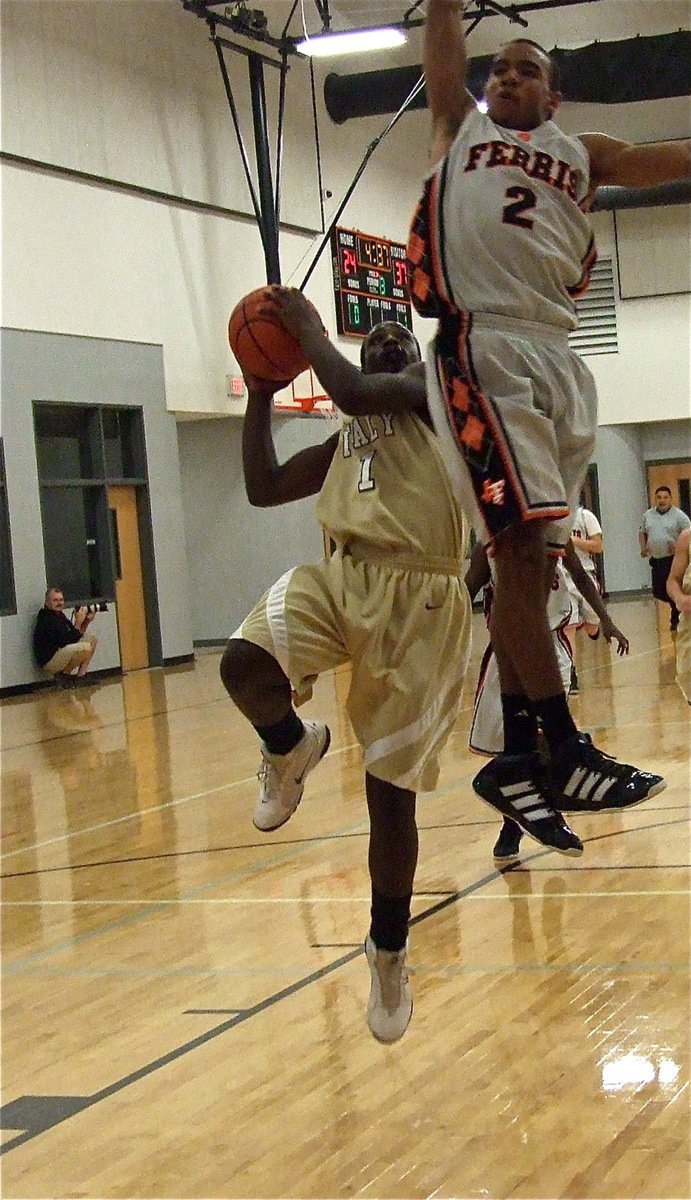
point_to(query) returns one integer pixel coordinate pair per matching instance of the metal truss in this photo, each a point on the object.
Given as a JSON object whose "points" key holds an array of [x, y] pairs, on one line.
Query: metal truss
{"points": [[252, 37], [252, 23]]}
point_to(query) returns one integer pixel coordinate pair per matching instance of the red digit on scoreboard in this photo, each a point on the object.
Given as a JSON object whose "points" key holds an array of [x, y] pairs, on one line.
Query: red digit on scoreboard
{"points": [[349, 262], [400, 273]]}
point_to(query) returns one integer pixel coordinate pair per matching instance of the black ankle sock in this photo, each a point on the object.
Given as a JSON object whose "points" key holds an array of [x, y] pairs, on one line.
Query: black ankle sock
{"points": [[520, 724], [284, 735], [556, 720], [390, 918]]}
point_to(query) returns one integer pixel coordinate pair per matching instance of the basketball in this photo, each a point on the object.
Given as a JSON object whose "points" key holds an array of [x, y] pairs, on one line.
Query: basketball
{"points": [[261, 345]]}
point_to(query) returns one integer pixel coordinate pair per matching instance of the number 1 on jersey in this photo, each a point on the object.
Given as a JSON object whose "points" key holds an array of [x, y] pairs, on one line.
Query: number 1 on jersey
{"points": [[366, 482]]}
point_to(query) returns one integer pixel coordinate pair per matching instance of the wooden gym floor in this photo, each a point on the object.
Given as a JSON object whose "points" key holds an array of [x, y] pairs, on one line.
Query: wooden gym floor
{"points": [[184, 997]]}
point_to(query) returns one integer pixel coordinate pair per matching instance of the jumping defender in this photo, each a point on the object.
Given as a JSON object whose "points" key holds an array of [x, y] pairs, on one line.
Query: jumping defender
{"points": [[500, 246]]}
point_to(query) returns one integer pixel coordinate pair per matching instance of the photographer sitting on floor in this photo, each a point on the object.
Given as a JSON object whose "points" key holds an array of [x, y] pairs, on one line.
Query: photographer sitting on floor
{"points": [[60, 645]]}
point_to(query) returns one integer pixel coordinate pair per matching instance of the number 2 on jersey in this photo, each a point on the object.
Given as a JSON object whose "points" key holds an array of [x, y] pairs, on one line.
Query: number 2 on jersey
{"points": [[523, 199]]}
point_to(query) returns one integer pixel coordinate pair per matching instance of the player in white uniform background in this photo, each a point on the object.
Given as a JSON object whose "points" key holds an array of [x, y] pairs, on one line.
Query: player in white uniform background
{"points": [[586, 533], [499, 247]]}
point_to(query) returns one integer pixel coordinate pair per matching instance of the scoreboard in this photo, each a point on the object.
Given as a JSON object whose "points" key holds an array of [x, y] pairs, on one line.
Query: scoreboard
{"points": [[370, 276]]}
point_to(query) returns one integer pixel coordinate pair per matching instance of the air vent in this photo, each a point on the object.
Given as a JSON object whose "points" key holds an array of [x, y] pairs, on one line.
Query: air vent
{"points": [[597, 313]]}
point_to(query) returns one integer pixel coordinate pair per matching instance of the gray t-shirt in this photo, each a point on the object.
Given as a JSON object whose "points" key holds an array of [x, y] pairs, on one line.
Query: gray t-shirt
{"points": [[662, 530]]}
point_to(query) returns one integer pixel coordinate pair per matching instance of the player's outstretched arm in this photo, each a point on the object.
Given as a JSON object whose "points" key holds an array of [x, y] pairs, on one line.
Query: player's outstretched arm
{"points": [[446, 63], [353, 392], [624, 164], [677, 571], [267, 481], [590, 593]]}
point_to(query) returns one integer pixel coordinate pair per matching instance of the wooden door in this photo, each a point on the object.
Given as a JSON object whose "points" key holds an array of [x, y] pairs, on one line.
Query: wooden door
{"points": [[129, 588], [677, 477]]}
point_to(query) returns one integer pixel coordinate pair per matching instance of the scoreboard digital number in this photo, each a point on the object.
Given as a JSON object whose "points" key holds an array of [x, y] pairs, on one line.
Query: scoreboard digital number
{"points": [[370, 282]]}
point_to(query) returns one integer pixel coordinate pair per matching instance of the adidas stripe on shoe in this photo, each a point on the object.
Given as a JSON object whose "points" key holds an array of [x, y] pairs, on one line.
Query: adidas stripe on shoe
{"points": [[586, 779], [510, 783], [282, 776]]}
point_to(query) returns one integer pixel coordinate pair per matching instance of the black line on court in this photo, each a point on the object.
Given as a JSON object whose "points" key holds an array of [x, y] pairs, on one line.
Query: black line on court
{"points": [[37, 1114], [211, 1012], [326, 837]]}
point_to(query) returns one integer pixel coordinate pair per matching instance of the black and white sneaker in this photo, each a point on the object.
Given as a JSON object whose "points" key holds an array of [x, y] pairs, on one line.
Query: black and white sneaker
{"points": [[510, 783], [585, 779], [506, 847]]}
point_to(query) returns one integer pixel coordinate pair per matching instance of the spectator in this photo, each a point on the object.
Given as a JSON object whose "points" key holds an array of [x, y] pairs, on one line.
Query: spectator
{"points": [[657, 536], [60, 644]]}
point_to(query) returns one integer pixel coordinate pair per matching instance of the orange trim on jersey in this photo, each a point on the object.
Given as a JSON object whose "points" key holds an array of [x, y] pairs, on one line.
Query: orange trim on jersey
{"points": [[432, 216], [459, 396], [490, 418], [416, 246], [588, 264]]}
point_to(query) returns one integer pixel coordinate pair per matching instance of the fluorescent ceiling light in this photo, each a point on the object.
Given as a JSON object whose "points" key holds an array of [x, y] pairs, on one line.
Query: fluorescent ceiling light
{"points": [[357, 41]]}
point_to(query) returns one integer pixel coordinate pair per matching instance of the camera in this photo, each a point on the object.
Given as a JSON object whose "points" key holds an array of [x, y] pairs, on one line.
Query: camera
{"points": [[90, 609]]}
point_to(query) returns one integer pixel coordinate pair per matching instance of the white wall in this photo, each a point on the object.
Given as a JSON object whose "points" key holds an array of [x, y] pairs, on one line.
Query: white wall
{"points": [[131, 92]]}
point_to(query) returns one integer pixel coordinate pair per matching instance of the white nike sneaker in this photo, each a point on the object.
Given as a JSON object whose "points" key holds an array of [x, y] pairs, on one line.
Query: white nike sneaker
{"points": [[282, 776], [390, 1004]]}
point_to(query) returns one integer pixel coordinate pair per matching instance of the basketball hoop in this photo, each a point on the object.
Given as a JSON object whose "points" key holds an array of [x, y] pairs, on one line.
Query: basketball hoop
{"points": [[305, 398]]}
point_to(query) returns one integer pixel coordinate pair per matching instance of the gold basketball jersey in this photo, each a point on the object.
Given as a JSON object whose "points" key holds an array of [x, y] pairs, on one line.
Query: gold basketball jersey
{"points": [[387, 494]]}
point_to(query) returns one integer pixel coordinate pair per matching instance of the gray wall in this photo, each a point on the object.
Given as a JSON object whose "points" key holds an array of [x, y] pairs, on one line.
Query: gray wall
{"points": [[666, 439], [623, 500], [621, 455], [86, 371], [235, 551]]}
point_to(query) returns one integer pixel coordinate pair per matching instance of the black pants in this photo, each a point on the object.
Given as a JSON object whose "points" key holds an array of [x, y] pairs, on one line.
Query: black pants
{"points": [[660, 568]]}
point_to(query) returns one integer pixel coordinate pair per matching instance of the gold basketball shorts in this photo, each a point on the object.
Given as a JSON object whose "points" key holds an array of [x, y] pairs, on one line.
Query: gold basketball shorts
{"points": [[406, 633]]}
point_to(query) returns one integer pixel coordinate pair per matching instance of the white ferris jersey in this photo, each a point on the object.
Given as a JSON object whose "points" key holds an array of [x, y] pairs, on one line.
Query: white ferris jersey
{"points": [[507, 228], [559, 599], [585, 525]]}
